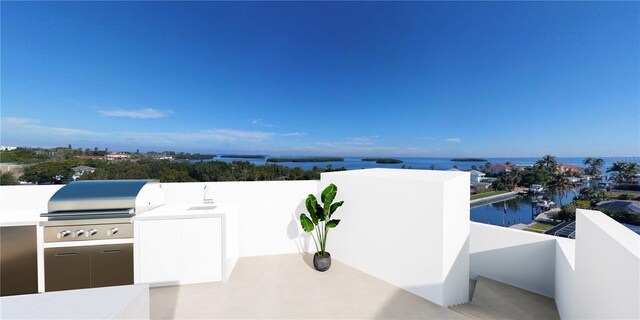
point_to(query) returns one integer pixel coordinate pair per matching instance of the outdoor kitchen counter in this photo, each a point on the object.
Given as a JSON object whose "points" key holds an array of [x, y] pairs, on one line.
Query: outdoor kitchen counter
{"points": [[187, 211]]}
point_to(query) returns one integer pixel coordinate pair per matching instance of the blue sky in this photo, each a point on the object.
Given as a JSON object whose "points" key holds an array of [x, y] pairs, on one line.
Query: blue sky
{"points": [[392, 79]]}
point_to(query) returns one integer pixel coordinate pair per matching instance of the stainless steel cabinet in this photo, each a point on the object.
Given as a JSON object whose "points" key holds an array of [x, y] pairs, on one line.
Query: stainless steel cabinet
{"points": [[111, 265], [88, 266], [67, 268], [18, 260]]}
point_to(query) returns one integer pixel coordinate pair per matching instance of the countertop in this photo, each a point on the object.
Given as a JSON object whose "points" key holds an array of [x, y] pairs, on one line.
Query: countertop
{"points": [[119, 302], [186, 211], [30, 217]]}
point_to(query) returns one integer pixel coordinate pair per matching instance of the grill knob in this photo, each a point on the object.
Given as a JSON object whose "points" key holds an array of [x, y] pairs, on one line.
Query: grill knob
{"points": [[63, 234], [112, 231], [78, 233], [92, 232]]}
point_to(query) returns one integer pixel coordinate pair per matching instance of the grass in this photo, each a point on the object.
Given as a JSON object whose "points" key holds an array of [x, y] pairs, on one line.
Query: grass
{"points": [[486, 194], [541, 226], [616, 194], [538, 227]]}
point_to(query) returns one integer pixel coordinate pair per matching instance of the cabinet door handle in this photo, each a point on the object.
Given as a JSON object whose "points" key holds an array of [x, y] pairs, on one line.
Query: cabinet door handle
{"points": [[66, 254], [111, 251]]}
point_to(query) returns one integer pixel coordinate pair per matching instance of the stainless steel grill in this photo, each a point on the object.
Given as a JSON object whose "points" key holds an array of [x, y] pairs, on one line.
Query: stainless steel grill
{"points": [[88, 235], [104, 199]]}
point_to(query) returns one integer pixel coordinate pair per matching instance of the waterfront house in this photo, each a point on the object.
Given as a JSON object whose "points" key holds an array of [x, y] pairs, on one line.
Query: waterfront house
{"points": [[80, 170], [116, 156], [476, 176], [499, 168], [478, 180], [570, 169], [626, 206]]}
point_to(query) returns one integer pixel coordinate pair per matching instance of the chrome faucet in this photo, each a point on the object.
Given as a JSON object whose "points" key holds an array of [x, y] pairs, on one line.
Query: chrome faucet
{"points": [[206, 197]]}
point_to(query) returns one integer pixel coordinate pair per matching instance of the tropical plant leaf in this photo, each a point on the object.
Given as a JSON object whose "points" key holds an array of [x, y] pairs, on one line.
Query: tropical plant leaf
{"points": [[329, 193], [312, 206], [306, 223], [335, 207], [333, 223]]}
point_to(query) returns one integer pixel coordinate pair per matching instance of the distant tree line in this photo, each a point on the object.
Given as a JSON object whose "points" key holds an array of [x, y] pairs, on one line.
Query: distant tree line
{"points": [[59, 171]]}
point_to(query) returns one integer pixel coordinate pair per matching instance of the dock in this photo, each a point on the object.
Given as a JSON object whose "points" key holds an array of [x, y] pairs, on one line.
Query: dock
{"points": [[544, 216], [493, 199]]}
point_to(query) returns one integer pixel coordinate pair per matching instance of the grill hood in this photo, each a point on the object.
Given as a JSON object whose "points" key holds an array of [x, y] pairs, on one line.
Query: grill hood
{"points": [[104, 197]]}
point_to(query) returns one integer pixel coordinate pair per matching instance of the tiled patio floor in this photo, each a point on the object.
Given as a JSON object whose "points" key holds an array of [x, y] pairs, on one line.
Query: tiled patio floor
{"points": [[287, 287]]}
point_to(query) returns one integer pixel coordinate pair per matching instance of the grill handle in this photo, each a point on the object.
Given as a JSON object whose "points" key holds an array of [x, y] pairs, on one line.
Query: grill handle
{"points": [[66, 254], [111, 251]]}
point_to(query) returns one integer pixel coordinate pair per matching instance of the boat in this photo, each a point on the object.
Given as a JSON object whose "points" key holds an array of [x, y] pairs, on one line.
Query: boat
{"points": [[535, 188], [574, 179], [585, 178], [544, 203]]}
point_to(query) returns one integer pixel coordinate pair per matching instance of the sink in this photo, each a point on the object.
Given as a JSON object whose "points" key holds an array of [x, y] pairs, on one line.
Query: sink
{"points": [[202, 208]]}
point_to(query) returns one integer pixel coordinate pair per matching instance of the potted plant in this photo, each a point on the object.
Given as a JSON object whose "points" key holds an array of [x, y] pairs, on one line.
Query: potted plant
{"points": [[320, 221]]}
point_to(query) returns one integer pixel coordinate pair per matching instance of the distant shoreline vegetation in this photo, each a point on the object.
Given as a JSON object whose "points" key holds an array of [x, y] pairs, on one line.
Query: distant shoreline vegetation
{"points": [[383, 160], [469, 160], [243, 156], [306, 159], [190, 156]]}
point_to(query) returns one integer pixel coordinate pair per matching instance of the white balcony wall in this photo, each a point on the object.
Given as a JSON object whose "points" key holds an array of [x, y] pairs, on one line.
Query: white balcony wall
{"points": [[267, 211], [407, 227], [607, 269], [27, 197], [565, 277], [522, 259]]}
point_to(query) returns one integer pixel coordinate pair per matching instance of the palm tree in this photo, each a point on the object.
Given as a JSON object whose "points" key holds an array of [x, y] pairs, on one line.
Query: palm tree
{"points": [[507, 181], [560, 185], [549, 163], [595, 166], [624, 171]]}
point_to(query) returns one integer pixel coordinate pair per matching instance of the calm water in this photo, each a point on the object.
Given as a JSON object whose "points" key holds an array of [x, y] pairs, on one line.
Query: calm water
{"points": [[520, 209], [352, 163]]}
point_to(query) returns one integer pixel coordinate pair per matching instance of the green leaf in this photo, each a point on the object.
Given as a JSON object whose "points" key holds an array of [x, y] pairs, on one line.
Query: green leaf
{"points": [[306, 223], [333, 223], [335, 207], [329, 193], [312, 207]]}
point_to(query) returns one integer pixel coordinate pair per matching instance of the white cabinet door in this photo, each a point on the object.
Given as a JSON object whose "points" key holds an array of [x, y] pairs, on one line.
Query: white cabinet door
{"points": [[160, 251], [201, 250]]}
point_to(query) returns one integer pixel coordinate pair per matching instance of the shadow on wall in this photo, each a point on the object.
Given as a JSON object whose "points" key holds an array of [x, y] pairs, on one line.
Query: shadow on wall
{"points": [[528, 266], [295, 233]]}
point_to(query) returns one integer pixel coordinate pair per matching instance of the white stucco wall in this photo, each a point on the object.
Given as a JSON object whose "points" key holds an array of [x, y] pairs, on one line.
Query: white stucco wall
{"points": [[522, 259], [407, 227], [607, 269], [26, 197], [267, 211], [565, 295]]}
